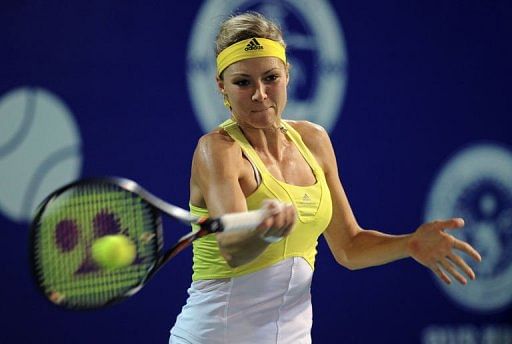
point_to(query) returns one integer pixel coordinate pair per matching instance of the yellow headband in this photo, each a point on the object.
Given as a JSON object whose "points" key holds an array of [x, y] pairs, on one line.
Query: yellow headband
{"points": [[247, 49]]}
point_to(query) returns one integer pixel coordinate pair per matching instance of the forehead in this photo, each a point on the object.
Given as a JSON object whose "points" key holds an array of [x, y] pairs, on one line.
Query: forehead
{"points": [[254, 66]]}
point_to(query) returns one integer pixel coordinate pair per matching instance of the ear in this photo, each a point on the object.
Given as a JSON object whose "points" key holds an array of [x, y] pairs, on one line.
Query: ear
{"points": [[220, 84], [287, 73]]}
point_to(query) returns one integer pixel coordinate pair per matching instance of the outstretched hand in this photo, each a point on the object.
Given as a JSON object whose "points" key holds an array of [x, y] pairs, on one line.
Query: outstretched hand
{"points": [[432, 247]]}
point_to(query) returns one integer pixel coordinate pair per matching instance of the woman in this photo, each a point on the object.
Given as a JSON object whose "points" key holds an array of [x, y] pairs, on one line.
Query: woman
{"points": [[253, 287]]}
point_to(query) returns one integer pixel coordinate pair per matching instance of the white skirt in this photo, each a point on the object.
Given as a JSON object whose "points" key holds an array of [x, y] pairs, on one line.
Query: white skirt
{"points": [[271, 306]]}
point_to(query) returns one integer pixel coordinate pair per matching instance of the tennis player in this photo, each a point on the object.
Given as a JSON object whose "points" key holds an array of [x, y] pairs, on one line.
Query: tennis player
{"points": [[254, 287]]}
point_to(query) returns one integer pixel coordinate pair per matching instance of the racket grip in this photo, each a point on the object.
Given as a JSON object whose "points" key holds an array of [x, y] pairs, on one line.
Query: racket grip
{"points": [[243, 221]]}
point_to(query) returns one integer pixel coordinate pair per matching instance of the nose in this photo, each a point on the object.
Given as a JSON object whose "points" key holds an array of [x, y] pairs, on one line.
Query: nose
{"points": [[260, 93]]}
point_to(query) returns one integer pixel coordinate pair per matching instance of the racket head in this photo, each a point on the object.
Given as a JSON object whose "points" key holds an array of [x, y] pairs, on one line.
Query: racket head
{"points": [[64, 228]]}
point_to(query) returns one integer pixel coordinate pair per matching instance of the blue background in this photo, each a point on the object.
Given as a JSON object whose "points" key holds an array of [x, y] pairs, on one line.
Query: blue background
{"points": [[425, 79]]}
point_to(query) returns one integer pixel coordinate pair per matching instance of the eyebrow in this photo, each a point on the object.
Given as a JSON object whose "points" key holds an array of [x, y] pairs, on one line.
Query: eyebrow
{"points": [[248, 75]]}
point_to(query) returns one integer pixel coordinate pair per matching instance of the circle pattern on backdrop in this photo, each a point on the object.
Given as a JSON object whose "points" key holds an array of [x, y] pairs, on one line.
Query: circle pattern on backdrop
{"points": [[476, 184], [39, 149]]}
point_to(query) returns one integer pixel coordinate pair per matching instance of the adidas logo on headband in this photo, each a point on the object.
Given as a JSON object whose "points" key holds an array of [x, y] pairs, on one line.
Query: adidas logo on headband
{"points": [[253, 45], [250, 48]]}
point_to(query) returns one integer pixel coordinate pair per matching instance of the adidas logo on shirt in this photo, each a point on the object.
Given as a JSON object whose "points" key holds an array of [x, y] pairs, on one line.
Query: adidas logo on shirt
{"points": [[306, 198], [253, 45]]}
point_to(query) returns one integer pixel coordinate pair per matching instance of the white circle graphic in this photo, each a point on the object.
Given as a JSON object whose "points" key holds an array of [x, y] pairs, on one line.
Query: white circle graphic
{"points": [[39, 149], [476, 184], [315, 49]]}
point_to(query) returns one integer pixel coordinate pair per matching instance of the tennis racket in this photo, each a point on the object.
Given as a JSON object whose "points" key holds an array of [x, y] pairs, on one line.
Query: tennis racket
{"points": [[68, 221]]}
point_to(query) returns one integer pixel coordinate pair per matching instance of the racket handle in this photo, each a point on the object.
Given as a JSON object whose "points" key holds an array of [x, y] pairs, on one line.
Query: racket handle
{"points": [[243, 221]]}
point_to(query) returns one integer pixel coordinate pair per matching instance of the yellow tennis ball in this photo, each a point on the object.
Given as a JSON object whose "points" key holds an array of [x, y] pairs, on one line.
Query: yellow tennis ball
{"points": [[113, 251]]}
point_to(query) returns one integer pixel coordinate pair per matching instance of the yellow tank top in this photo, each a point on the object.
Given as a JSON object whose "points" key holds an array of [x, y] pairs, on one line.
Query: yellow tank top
{"points": [[313, 204]]}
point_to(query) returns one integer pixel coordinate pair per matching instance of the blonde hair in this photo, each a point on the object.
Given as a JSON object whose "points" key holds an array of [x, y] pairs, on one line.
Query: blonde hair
{"points": [[244, 26]]}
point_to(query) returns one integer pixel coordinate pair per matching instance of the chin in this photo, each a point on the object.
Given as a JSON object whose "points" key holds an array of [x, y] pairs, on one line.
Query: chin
{"points": [[259, 119], [264, 121]]}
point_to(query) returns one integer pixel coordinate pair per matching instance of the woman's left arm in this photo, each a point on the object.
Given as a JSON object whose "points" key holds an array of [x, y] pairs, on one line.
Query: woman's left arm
{"points": [[357, 248]]}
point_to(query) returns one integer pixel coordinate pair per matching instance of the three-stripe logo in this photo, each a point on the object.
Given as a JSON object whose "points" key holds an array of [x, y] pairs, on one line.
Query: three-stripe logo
{"points": [[253, 45]]}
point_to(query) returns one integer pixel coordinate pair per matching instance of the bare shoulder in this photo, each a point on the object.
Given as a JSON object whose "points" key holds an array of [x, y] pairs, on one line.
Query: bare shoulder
{"points": [[216, 150], [217, 138], [314, 135], [316, 139], [216, 167], [307, 127]]}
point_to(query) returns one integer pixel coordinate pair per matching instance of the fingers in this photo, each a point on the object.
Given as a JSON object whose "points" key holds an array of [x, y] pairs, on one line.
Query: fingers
{"points": [[450, 268], [450, 223], [458, 244], [441, 274], [280, 222], [452, 260], [449, 265], [291, 217], [272, 206], [468, 249], [461, 264]]}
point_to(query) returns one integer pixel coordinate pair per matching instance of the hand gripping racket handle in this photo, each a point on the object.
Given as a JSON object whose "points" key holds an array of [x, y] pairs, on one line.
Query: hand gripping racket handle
{"points": [[252, 219], [243, 221]]}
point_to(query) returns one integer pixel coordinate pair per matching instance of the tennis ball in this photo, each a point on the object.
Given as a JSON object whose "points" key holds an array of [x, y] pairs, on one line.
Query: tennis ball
{"points": [[113, 251]]}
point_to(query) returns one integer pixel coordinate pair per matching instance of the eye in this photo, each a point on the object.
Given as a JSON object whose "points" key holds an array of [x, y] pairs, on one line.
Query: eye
{"points": [[272, 77], [241, 82]]}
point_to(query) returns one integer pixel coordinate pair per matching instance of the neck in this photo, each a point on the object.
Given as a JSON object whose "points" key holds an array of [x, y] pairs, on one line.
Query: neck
{"points": [[269, 141]]}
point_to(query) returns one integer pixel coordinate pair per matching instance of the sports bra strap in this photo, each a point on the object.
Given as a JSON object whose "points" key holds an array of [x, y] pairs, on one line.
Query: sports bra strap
{"points": [[234, 131]]}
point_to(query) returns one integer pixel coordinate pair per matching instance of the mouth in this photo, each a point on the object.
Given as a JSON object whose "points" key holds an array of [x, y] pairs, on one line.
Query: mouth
{"points": [[261, 110]]}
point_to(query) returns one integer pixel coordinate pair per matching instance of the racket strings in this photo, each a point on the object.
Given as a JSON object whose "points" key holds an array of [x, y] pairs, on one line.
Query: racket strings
{"points": [[69, 224]]}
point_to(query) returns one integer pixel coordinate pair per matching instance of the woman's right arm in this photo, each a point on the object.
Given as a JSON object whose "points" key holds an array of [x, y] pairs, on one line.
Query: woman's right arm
{"points": [[217, 168]]}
